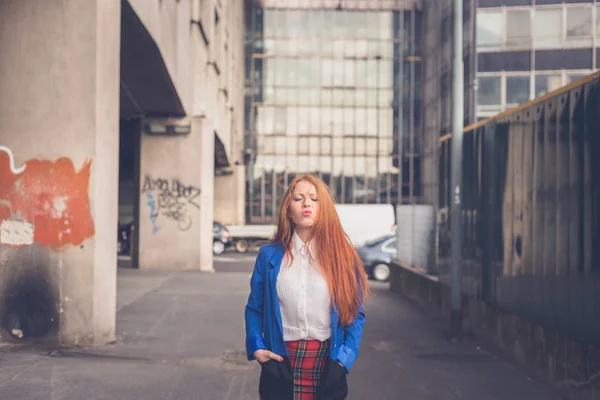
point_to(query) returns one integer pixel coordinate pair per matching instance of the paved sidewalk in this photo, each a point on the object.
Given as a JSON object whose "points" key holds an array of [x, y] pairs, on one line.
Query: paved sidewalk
{"points": [[181, 336]]}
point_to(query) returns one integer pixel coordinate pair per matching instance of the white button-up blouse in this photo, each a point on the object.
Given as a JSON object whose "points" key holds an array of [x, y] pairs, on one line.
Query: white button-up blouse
{"points": [[303, 295]]}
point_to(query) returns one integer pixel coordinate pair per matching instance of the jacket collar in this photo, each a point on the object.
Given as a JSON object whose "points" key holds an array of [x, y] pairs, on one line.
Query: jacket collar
{"points": [[299, 246]]}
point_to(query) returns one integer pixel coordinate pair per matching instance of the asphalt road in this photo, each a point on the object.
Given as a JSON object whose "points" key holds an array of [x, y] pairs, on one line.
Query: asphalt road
{"points": [[231, 261], [181, 336]]}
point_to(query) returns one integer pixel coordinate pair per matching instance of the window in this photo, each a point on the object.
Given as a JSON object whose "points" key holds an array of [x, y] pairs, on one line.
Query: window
{"points": [[518, 28], [547, 27], [280, 120], [517, 89], [390, 246], [512, 27], [270, 19], [488, 91], [579, 23], [490, 29], [546, 83], [575, 77]]}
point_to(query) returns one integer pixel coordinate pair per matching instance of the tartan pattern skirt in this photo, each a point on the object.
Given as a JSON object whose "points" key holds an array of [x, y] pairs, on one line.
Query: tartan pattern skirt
{"points": [[308, 359], [308, 372]]}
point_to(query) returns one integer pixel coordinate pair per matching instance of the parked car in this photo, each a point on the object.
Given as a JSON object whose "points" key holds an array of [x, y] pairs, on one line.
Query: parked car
{"points": [[377, 256], [221, 238]]}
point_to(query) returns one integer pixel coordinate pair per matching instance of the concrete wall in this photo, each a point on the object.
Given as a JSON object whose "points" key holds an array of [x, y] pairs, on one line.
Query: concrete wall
{"points": [[205, 60], [219, 75], [208, 76], [58, 169], [168, 22], [176, 199], [229, 189]]}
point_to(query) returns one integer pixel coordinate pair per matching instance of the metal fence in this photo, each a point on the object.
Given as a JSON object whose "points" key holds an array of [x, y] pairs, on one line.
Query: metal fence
{"points": [[531, 210]]}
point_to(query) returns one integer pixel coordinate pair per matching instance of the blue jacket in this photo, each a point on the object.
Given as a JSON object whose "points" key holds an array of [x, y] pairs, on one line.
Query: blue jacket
{"points": [[264, 329]]}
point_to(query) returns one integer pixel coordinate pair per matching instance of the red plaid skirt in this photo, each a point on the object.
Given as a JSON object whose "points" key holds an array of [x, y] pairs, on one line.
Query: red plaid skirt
{"points": [[308, 359]]}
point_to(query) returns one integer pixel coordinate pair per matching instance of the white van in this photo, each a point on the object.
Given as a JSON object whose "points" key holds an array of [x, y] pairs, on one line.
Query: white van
{"points": [[363, 222]]}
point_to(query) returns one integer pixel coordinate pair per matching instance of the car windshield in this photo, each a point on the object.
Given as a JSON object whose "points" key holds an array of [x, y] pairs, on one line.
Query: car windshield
{"points": [[377, 241]]}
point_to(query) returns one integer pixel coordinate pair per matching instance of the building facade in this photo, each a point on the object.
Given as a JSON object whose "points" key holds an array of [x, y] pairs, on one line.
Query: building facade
{"points": [[528, 48], [438, 55], [138, 96], [332, 88]]}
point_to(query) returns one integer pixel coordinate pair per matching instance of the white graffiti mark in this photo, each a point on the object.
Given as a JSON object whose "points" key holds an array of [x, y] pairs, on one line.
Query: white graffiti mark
{"points": [[14, 169], [16, 232], [58, 208]]}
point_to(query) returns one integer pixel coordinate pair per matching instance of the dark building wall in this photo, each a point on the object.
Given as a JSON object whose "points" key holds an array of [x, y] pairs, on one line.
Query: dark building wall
{"points": [[530, 227], [437, 83]]}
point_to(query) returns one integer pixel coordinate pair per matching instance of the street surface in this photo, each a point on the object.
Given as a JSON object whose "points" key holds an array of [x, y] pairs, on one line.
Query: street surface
{"points": [[181, 336]]}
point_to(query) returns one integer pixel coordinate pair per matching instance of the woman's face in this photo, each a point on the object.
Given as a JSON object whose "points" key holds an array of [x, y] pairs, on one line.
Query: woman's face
{"points": [[303, 205]]}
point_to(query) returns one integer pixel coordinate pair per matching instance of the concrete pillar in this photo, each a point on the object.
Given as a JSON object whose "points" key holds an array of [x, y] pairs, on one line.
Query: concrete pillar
{"points": [[59, 147], [176, 194], [230, 196]]}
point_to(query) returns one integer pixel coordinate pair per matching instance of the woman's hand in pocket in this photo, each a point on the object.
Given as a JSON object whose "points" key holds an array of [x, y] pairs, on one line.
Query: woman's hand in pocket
{"points": [[262, 356]]}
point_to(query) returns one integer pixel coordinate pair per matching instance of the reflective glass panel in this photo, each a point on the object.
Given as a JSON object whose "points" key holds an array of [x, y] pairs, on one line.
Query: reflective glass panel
{"points": [[547, 27], [518, 28], [490, 29], [489, 91], [546, 83], [579, 23], [517, 89]]}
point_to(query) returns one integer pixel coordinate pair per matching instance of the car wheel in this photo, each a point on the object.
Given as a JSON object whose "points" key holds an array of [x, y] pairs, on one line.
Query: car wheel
{"points": [[241, 246], [218, 247], [381, 272]]}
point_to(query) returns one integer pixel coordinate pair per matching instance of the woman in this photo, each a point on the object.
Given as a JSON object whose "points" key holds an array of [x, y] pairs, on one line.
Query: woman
{"points": [[305, 315]]}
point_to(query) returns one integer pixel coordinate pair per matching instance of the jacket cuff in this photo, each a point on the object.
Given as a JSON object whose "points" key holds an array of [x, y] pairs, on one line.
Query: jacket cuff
{"points": [[253, 344], [346, 356]]}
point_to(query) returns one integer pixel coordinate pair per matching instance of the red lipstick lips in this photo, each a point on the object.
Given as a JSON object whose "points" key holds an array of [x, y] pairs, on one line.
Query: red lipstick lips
{"points": [[306, 213]]}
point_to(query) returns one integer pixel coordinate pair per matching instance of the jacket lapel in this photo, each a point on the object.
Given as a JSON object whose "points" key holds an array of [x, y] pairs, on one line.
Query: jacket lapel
{"points": [[274, 268]]}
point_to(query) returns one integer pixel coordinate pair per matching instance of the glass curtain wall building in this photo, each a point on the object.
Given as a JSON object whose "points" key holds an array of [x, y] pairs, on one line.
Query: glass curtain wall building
{"points": [[335, 91], [528, 48]]}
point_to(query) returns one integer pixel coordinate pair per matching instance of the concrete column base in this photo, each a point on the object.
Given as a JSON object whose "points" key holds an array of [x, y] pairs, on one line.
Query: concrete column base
{"points": [[59, 111]]}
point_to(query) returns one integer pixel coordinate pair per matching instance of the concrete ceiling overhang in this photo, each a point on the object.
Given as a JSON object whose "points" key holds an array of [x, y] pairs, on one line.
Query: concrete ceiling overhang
{"points": [[146, 85], [221, 160]]}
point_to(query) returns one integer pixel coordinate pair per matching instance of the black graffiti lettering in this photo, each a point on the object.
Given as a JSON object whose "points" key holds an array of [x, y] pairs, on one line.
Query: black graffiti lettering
{"points": [[173, 199]]}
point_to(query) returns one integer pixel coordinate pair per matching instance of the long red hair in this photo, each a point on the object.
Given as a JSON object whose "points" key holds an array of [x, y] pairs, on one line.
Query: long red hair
{"points": [[342, 268]]}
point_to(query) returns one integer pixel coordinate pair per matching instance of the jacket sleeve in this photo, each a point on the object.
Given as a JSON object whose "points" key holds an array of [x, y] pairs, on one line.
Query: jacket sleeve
{"points": [[348, 352], [255, 310]]}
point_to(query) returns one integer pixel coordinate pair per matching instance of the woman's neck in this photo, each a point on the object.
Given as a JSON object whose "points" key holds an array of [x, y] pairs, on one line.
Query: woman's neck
{"points": [[303, 234]]}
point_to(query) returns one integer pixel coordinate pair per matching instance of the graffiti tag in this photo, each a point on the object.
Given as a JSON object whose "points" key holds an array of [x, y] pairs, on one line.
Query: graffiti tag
{"points": [[44, 201], [173, 201], [153, 212]]}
